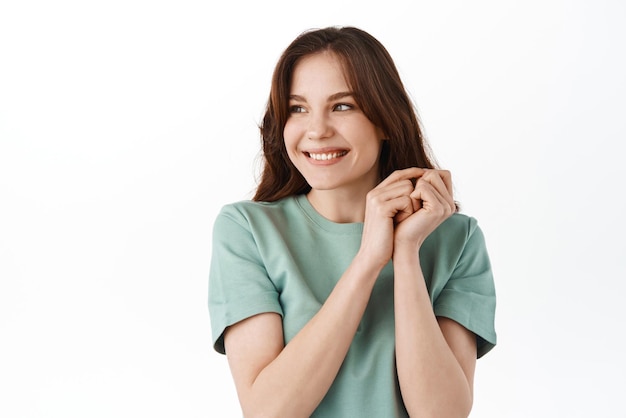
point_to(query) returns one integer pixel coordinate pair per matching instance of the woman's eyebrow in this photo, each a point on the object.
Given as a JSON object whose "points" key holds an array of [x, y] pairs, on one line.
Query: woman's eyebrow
{"points": [[331, 98], [340, 95], [297, 98]]}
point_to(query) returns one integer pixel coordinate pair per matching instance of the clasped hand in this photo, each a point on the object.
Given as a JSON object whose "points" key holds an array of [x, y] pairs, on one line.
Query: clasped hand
{"points": [[404, 209]]}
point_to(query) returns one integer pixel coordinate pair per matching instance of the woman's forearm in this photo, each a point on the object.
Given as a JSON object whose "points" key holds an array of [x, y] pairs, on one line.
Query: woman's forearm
{"points": [[296, 381], [432, 382]]}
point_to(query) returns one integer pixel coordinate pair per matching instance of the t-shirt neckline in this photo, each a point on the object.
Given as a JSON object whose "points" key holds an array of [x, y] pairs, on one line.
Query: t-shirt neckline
{"points": [[355, 228]]}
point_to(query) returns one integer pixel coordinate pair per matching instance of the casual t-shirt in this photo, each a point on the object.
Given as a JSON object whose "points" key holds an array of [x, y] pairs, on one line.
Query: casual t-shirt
{"points": [[284, 257]]}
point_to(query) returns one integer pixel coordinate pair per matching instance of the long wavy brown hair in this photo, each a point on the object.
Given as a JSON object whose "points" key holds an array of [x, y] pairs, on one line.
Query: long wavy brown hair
{"points": [[378, 90]]}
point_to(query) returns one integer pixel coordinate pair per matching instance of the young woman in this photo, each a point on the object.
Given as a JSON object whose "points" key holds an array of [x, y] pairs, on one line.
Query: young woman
{"points": [[350, 286]]}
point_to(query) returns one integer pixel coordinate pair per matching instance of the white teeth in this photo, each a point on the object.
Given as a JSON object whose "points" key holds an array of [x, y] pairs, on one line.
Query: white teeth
{"points": [[327, 156]]}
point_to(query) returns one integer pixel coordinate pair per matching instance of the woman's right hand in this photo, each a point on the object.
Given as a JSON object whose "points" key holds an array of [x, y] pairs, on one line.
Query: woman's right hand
{"points": [[386, 205]]}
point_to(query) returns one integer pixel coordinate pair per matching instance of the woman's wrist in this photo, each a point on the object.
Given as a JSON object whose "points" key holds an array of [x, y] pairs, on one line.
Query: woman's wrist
{"points": [[407, 249], [368, 264]]}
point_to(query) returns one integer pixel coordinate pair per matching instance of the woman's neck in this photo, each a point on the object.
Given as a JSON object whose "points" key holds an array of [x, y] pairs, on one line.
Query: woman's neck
{"points": [[339, 205]]}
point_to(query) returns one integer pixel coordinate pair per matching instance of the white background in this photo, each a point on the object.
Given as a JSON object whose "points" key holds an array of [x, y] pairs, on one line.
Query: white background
{"points": [[126, 125]]}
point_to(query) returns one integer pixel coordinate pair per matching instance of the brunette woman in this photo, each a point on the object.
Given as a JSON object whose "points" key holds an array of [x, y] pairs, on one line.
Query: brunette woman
{"points": [[350, 286]]}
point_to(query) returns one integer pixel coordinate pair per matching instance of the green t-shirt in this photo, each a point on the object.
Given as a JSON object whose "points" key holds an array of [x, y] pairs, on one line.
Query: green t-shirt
{"points": [[284, 257]]}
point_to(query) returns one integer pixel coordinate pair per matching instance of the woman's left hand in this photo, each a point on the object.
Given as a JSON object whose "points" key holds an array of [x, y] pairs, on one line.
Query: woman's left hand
{"points": [[432, 204]]}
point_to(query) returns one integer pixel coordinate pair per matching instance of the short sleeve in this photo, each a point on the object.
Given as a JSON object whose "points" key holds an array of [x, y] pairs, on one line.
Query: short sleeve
{"points": [[239, 286], [469, 296]]}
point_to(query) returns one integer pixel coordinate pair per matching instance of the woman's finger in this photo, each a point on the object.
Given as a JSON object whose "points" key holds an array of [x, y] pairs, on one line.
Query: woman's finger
{"points": [[442, 183], [432, 199], [391, 191], [392, 201], [403, 205], [405, 174]]}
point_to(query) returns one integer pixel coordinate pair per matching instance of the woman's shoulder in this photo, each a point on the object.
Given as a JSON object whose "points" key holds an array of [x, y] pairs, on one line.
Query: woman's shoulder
{"points": [[246, 210], [455, 232], [459, 224], [460, 234]]}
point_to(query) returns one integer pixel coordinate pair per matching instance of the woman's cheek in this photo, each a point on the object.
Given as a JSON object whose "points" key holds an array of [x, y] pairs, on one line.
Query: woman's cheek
{"points": [[290, 135]]}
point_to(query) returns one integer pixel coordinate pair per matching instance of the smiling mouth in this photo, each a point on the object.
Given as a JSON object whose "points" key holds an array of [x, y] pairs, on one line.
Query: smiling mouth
{"points": [[325, 156]]}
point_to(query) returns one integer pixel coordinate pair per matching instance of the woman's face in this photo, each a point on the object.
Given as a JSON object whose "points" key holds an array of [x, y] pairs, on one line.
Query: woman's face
{"points": [[327, 136]]}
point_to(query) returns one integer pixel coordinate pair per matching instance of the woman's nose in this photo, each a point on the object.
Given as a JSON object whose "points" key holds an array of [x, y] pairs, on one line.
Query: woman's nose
{"points": [[319, 127]]}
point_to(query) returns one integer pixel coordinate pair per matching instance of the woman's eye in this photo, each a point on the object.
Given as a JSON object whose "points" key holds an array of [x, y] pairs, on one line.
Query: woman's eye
{"points": [[342, 107], [296, 109]]}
